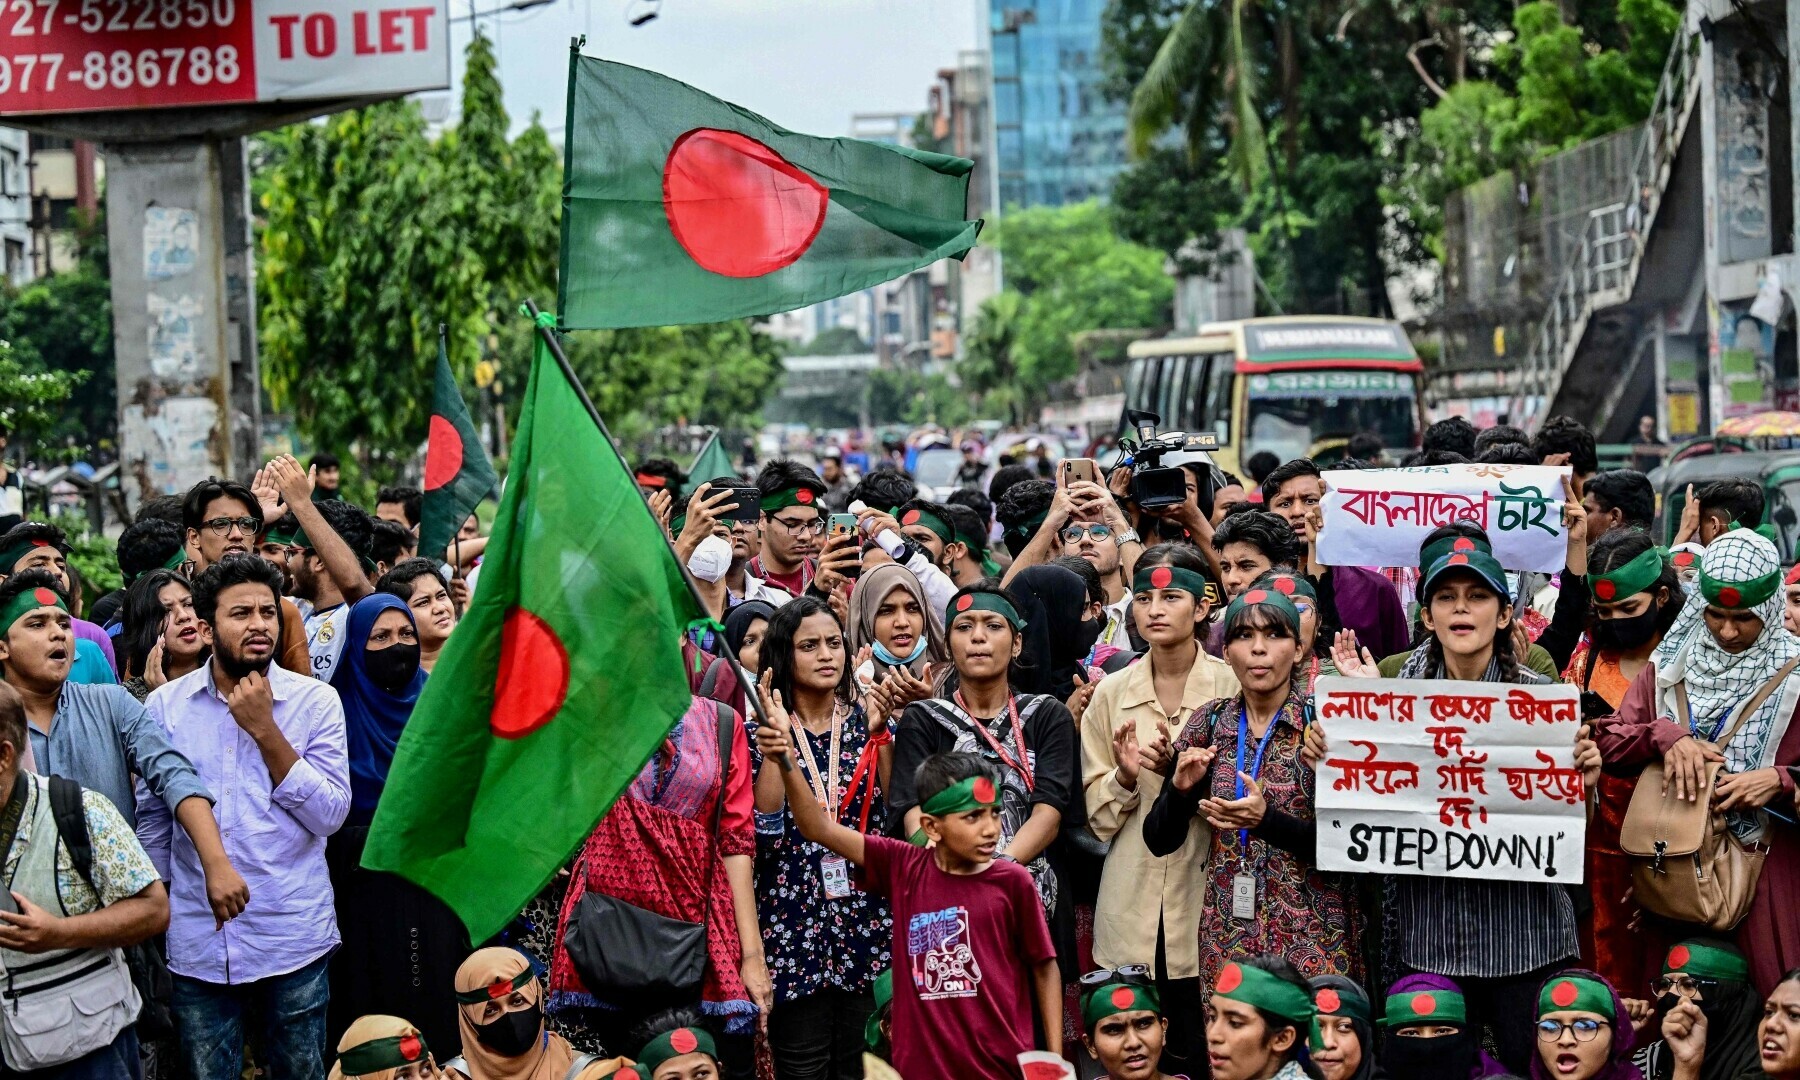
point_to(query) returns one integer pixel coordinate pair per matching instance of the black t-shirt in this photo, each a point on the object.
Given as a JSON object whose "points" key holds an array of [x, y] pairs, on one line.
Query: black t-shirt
{"points": [[1052, 751]]}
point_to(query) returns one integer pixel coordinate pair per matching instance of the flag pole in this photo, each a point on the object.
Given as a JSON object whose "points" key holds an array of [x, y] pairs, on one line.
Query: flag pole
{"points": [[562, 361]]}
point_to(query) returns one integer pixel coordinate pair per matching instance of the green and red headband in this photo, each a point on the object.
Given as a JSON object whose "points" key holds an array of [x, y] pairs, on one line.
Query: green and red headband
{"points": [[1115, 998], [651, 480], [1634, 577], [1263, 597], [673, 1044], [494, 991], [1705, 960], [27, 602], [969, 793], [1425, 1007], [786, 497], [1269, 992], [1173, 577], [1329, 1001], [1738, 595], [1576, 993], [1289, 585], [380, 1055], [982, 600], [11, 556], [929, 520]]}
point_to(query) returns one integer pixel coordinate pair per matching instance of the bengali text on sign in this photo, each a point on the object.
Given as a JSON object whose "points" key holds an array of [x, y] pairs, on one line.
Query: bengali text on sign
{"points": [[1379, 517], [1450, 779]]}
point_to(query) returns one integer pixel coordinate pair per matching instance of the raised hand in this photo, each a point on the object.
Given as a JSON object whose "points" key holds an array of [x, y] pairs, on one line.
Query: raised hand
{"points": [[1191, 769], [1126, 753], [1078, 701], [1351, 660], [1159, 755]]}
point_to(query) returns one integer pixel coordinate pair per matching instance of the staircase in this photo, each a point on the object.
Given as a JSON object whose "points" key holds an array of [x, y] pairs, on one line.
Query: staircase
{"points": [[1603, 267]]}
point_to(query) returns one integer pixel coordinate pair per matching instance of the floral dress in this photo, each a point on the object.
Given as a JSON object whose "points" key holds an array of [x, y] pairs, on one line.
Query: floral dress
{"points": [[1302, 913], [812, 942]]}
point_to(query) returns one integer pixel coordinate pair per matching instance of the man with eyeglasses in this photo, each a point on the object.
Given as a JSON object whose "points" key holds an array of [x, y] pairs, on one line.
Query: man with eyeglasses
{"points": [[223, 517], [1100, 534], [746, 539], [37, 545], [793, 525]]}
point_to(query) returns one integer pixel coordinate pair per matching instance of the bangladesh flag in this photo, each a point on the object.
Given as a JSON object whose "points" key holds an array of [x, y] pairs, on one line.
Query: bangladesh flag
{"points": [[457, 472], [711, 461], [681, 208], [562, 678]]}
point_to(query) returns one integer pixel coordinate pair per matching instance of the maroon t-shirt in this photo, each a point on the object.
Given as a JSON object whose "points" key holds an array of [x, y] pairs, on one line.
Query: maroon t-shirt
{"points": [[964, 950]]}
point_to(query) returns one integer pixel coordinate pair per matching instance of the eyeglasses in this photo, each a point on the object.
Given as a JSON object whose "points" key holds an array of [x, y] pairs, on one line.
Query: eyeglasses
{"points": [[1681, 984], [1584, 1030], [221, 526], [816, 526], [1131, 974], [1072, 534]]}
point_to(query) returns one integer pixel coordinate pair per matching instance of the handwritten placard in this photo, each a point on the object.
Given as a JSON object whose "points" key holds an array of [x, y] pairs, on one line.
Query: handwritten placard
{"points": [[1450, 779], [1379, 517]]}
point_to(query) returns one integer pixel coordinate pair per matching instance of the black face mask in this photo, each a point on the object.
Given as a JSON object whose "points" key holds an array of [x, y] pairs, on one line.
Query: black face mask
{"points": [[1448, 1057], [1665, 1004], [513, 1033], [1628, 633], [393, 667]]}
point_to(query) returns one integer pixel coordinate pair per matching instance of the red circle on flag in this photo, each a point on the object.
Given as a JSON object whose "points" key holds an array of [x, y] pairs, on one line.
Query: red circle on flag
{"points": [[1423, 1004], [911, 518], [1463, 544], [534, 676], [1230, 978], [1564, 993], [1679, 956], [1160, 577], [44, 596], [1256, 596], [1605, 590], [1730, 597], [1122, 997], [410, 1047], [983, 790], [1328, 1000], [737, 207], [1284, 586], [682, 1041], [443, 454], [964, 603]]}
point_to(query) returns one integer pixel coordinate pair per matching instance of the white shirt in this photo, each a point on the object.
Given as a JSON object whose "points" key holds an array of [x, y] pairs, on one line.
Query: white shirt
{"points": [[1117, 630], [756, 588], [325, 639]]}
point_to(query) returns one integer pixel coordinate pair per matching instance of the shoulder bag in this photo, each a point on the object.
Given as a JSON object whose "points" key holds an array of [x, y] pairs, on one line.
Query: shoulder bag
{"points": [[1685, 862]]}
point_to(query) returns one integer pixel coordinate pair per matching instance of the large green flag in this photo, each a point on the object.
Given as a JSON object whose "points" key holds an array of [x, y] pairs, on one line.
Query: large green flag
{"points": [[560, 681], [681, 208], [458, 474]]}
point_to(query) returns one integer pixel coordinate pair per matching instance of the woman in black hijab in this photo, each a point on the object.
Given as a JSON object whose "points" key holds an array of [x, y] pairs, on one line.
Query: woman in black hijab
{"points": [[1714, 976], [1053, 601], [1346, 1030], [745, 626]]}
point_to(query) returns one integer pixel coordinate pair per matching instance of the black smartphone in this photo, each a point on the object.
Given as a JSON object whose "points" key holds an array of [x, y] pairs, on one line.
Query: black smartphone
{"points": [[747, 504]]}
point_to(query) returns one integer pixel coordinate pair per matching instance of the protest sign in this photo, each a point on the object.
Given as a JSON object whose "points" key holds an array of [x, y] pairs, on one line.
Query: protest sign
{"points": [[1450, 779], [1379, 517]]}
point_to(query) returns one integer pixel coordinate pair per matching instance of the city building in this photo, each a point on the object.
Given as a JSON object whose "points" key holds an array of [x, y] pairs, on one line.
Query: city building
{"points": [[15, 205], [1057, 138], [63, 177]]}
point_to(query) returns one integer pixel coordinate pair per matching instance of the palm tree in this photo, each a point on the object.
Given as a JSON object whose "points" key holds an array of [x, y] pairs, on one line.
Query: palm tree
{"points": [[1205, 58]]}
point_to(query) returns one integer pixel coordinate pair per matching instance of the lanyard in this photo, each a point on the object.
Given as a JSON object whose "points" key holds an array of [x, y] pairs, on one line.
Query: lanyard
{"points": [[1018, 734], [1256, 767], [828, 796]]}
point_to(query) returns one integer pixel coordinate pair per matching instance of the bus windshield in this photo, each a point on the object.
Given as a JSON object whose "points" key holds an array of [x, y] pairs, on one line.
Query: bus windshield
{"points": [[1290, 411]]}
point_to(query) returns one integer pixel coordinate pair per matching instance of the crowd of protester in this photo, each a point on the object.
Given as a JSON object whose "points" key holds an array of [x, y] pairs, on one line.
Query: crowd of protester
{"points": [[1029, 769]]}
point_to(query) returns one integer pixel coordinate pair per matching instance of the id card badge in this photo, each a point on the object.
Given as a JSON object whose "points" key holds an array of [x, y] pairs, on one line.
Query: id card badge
{"points": [[1243, 897], [835, 871]]}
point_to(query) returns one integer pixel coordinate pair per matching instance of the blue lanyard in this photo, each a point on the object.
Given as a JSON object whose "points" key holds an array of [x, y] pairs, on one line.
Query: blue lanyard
{"points": [[1256, 768]]}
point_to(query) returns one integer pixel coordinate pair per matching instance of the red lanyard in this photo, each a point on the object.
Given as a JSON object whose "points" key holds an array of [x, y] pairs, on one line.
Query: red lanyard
{"points": [[1018, 734]]}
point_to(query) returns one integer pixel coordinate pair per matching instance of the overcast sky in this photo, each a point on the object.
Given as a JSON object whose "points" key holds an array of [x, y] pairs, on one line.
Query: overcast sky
{"points": [[805, 64]]}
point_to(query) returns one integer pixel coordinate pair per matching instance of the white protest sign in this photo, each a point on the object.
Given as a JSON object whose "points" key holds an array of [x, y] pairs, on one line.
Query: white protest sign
{"points": [[1450, 779], [1379, 517]]}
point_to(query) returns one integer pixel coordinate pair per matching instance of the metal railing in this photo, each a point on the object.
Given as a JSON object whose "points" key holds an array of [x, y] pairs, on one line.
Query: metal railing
{"points": [[1604, 264]]}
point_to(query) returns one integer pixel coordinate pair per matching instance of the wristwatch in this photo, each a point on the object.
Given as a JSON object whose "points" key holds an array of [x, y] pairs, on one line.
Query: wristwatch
{"points": [[1130, 536]]}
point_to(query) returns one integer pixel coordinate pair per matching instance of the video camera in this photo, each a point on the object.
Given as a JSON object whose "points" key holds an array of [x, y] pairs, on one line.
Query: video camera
{"points": [[1155, 486]]}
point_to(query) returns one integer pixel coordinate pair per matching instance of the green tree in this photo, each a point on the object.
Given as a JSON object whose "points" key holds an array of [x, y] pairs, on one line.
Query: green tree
{"points": [[63, 323], [31, 402], [832, 341]]}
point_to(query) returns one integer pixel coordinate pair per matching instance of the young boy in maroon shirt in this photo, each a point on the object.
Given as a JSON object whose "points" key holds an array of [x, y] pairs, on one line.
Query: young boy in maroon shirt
{"points": [[971, 948]]}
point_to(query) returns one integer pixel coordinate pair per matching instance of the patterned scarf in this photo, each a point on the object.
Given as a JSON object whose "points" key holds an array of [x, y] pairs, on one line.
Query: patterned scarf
{"points": [[1717, 681]]}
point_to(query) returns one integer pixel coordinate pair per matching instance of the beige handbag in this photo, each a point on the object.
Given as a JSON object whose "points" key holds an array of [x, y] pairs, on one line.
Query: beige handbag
{"points": [[1686, 864]]}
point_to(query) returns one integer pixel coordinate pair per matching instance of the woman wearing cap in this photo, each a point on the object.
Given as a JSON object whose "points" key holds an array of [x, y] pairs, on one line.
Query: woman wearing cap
{"points": [[1428, 1033], [1706, 1013], [1237, 765], [500, 1012], [890, 617], [1778, 1036], [1029, 738], [1502, 937], [1122, 1022], [826, 940], [1636, 597], [1345, 1023], [1149, 907], [1583, 1032], [1259, 1021], [1725, 646], [383, 1048]]}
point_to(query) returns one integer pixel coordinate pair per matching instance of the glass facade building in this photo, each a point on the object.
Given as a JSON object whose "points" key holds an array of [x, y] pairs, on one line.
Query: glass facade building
{"points": [[1057, 138]]}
